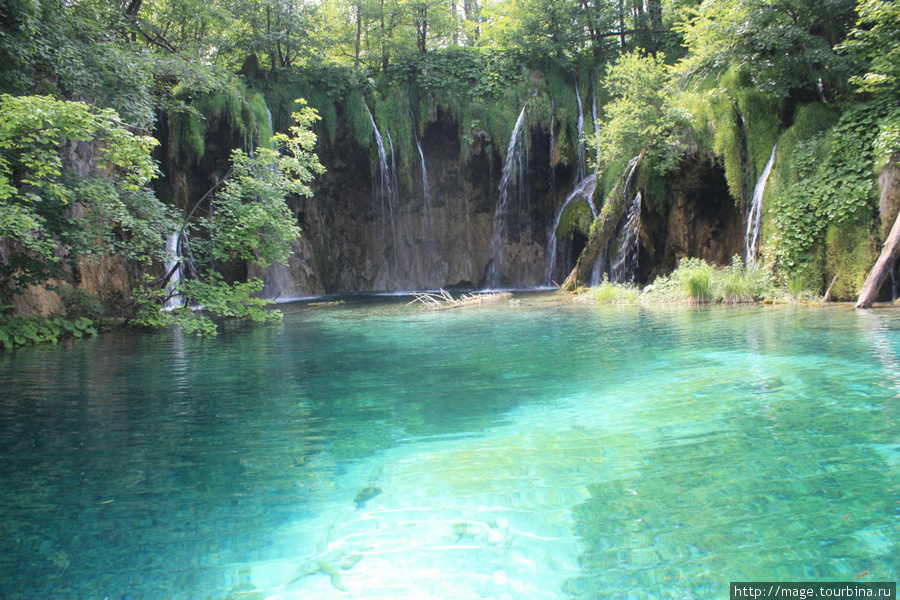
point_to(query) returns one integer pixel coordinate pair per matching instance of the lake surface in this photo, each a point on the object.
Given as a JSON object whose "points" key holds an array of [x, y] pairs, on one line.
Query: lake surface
{"points": [[519, 450]]}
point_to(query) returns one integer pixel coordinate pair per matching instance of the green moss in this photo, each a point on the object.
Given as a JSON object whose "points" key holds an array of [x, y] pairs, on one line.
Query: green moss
{"points": [[850, 252], [357, 120], [743, 125], [391, 111], [576, 216], [234, 107]]}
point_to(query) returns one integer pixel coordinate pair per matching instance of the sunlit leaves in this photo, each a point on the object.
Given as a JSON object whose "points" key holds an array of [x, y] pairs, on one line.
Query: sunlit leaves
{"points": [[876, 39], [641, 115], [37, 187]]}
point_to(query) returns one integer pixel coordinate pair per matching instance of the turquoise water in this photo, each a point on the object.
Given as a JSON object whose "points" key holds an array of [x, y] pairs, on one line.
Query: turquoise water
{"points": [[534, 449]]}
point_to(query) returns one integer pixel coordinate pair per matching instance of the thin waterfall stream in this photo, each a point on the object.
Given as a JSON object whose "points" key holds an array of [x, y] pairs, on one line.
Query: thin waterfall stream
{"points": [[388, 193], [173, 261], [754, 217], [513, 196], [624, 267]]}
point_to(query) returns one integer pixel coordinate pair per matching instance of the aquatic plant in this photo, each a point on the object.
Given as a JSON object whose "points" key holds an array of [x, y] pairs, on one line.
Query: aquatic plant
{"points": [[608, 292]]}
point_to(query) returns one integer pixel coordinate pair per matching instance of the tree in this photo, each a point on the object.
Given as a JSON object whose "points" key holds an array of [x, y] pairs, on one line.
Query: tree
{"points": [[875, 43], [786, 45], [40, 192], [250, 222], [640, 117]]}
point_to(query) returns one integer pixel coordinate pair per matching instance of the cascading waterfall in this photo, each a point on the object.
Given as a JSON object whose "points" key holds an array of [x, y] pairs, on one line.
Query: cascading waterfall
{"points": [[513, 195], [596, 126], [584, 191], [754, 217], [173, 261], [388, 192], [584, 187], [582, 162], [624, 267]]}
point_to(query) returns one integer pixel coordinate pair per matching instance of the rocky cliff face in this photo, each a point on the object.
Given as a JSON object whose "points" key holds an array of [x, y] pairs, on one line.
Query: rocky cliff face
{"points": [[700, 220], [360, 238], [357, 238]]}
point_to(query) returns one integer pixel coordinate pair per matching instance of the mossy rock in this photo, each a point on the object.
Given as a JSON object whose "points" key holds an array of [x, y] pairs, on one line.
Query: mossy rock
{"points": [[850, 252]]}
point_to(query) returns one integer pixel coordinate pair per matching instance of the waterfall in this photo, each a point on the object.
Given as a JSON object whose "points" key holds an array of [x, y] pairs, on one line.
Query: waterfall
{"points": [[754, 217], [624, 267], [173, 261], [512, 185], [596, 126], [584, 186], [584, 191], [581, 158], [389, 190], [426, 190]]}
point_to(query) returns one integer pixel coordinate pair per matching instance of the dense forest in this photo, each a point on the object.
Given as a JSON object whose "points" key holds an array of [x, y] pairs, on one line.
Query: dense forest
{"points": [[139, 170]]}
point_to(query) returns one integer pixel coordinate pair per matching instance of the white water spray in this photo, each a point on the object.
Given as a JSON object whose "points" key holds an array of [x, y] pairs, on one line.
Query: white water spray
{"points": [[388, 189], [582, 167], [584, 191], [625, 266], [173, 261], [754, 217], [512, 187]]}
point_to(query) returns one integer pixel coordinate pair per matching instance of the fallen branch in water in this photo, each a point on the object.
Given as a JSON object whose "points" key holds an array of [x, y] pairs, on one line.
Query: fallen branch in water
{"points": [[444, 300]]}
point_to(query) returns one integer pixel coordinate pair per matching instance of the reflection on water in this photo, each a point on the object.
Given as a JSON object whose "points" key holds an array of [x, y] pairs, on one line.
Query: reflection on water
{"points": [[527, 450]]}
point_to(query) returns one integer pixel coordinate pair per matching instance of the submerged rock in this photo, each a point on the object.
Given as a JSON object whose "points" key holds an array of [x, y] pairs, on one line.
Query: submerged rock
{"points": [[365, 495]]}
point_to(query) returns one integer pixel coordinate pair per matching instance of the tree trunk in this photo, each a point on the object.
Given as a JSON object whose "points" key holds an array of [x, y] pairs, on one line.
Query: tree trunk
{"points": [[358, 37], [654, 7], [455, 22], [601, 234], [622, 23], [882, 268]]}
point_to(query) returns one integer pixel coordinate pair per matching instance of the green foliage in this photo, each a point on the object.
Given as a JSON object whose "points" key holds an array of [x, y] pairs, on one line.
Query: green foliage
{"points": [[611, 293], [641, 115], [850, 251], [740, 284], [251, 222], [230, 104], [358, 121], [695, 276], [736, 123], [18, 331], [833, 184], [391, 112], [218, 297], [698, 282], [78, 302], [46, 200], [576, 216], [887, 144], [875, 43], [785, 47]]}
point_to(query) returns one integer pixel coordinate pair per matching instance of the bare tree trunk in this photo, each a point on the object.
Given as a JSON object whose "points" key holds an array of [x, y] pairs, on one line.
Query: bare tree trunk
{"points": [[421, 26], [882, 268]]}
